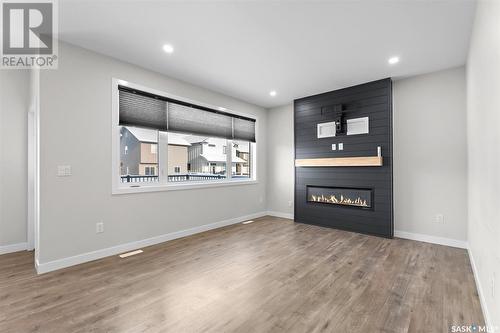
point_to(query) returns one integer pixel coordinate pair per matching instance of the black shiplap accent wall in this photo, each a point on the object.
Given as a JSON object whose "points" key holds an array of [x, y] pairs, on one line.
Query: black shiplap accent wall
{"points": [[373, 100]]}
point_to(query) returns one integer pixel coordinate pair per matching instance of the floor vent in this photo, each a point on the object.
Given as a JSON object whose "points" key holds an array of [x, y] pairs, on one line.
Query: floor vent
{"points": [[248, 222], [128, 254]]}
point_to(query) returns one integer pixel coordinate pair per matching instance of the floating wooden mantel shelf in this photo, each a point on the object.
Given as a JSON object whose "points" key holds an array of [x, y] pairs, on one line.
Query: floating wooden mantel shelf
{"points": [[341, 161]]}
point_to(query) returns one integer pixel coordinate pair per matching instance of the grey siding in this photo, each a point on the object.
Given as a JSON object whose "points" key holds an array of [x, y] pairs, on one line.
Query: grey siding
{"points": [[196, 162], [132, 159]]}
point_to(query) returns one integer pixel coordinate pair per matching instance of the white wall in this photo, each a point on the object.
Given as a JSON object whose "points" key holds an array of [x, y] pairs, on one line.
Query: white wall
{"points": [[430, 154], [483, 129], [280, 161], [75, 129], [14, 99]]}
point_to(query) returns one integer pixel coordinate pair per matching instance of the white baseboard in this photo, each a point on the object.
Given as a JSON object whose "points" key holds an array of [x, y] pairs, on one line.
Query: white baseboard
{"points": [[482, 299], [4, 249], [280, 214], [401, 234], [50, 266], [431, 239]]}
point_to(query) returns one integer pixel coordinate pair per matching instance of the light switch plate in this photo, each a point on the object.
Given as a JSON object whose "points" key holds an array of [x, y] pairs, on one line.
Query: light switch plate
{"points": [[334, 146], [63, 170], [341, 146]]}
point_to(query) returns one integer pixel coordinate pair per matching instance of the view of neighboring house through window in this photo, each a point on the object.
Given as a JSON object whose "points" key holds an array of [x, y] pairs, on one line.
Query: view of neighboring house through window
{"points": [[189, 157], [170, 141], [240, 159], [199, 158], [177, 157], [138, 155]]}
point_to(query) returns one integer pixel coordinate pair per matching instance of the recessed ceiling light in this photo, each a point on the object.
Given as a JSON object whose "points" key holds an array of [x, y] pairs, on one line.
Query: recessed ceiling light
{"points": [[168, 48], [393, 60], [272, 93], [222, 109]]}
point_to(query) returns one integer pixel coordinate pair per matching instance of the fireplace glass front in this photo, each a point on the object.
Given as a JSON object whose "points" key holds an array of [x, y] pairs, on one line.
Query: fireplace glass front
{"points": [[353, 197]]}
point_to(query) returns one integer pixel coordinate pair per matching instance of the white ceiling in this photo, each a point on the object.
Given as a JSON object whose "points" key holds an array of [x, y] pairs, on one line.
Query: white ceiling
{"points": [[299, 48]]}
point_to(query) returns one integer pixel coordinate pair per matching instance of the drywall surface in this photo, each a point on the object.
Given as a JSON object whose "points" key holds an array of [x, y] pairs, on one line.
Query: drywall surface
{"points": [[14, 97], [280, 160], [430, 154], [483, 130], [75, 129]]}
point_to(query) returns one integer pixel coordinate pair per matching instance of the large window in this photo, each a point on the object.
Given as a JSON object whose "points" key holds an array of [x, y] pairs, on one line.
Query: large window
{"points": [[169, 142]]}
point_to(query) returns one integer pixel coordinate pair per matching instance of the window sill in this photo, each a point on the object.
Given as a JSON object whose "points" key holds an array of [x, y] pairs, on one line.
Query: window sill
{"points": [[179, 186]]}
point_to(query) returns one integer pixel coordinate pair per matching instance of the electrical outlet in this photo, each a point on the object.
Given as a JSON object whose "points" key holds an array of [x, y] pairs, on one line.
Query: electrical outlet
{"points": [[99, 227], [261, 200], [290, 203], [439, 218], [341, 146], [334, 146]]}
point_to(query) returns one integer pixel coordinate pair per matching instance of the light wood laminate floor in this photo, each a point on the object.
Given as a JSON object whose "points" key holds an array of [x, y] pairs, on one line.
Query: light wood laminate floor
{"points": [[269, 276]]}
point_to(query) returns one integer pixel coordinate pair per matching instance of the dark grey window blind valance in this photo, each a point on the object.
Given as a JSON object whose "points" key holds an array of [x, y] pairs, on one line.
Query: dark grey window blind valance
{"points": [[142, 109], [190, 120]]}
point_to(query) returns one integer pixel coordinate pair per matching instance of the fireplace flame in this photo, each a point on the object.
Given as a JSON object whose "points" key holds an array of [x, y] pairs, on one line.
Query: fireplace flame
{"points": [[332, 199]]}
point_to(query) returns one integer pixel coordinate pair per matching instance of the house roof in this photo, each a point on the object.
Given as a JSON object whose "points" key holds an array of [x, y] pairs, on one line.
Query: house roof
{"points": [[177, 139], [242, 146], [236, 159], [145, 135], [196, 139], [214, 157], [206, 139]]}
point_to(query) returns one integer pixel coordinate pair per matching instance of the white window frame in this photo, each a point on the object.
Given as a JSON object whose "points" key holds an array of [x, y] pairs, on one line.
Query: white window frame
{"points": [[163, 185]]}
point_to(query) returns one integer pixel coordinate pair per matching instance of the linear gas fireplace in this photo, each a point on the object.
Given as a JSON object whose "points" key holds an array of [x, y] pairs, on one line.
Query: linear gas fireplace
{"points": [[352, 197]]}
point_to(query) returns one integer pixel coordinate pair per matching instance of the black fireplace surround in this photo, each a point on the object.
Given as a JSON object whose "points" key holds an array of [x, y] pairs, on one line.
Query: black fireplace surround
{"points": [[353, 198]]}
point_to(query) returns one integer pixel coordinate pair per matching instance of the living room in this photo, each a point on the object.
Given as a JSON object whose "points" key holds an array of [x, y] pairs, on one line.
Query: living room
{"points": [[250, 166]]}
